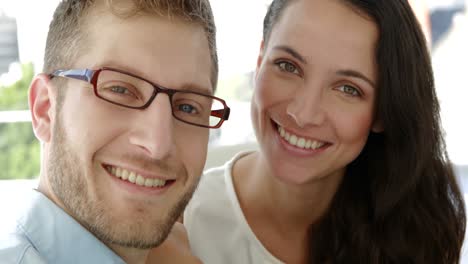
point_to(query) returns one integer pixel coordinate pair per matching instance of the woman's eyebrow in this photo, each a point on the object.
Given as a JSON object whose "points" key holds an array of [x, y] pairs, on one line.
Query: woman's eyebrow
{"points": [[292, 52], [356, 74], [346, 72]]}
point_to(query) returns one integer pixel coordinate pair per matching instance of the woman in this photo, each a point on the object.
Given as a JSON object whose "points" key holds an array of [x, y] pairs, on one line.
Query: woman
{"points": [[421, 11], [351, 166]]}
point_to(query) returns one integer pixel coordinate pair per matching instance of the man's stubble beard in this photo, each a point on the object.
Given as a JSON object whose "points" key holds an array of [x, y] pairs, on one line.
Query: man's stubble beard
{"points": [[66, 172]]}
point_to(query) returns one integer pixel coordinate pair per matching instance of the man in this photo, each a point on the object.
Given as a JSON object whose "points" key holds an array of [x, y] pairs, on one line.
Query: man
{"points": [[122, 111]]}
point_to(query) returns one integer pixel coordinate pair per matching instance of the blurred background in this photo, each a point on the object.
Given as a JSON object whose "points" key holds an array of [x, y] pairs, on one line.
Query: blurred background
{"points": [[23, 30]]}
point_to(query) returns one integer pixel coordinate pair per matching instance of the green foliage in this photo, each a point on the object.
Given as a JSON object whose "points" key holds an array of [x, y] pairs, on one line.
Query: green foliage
{"points": [[19, 149], [19, 152], [15, 96]]}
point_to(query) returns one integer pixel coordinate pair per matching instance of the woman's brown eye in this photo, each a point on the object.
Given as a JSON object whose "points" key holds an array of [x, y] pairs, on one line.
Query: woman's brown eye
{"points": [[288, 67], [349, 90]]}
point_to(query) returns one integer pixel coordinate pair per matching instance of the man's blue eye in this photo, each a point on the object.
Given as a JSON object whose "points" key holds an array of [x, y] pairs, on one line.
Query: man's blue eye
{"points": [[119, 89], [187, 108]]}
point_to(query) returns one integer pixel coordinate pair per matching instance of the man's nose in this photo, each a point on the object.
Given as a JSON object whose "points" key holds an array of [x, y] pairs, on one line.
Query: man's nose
{"points": [[306, 107], [153, 128]]}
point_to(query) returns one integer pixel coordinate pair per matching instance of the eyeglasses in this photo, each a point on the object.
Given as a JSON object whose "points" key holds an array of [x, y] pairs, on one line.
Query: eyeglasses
{"points": [[131, 91]]}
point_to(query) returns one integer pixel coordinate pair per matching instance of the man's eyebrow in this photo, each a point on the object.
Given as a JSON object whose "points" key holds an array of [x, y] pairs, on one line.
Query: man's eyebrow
{"points": [[187, 86], [356, 74], [292, 52], [192, 87]]}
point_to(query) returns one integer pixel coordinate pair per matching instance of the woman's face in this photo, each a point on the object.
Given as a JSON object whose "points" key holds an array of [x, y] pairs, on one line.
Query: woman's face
{"points": [[316, 77]]}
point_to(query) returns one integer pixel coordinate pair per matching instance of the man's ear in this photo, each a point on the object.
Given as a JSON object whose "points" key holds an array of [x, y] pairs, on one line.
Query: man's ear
{"points": [[41, 100], [377, 126]]}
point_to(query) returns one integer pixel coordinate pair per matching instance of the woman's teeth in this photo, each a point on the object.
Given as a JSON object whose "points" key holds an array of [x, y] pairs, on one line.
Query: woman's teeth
{"points": [[298, 141]]}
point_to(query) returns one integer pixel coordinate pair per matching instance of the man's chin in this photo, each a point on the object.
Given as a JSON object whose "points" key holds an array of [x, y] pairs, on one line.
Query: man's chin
{"points": [[140, 234], [137, 243]]}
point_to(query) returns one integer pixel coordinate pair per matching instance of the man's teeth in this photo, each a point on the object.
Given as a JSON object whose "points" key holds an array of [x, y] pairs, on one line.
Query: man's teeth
{"points": [[135, 178], [299, 141]]}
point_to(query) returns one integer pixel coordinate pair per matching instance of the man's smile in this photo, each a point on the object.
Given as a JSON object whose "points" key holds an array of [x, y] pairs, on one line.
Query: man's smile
{"points": [[135, 178]]}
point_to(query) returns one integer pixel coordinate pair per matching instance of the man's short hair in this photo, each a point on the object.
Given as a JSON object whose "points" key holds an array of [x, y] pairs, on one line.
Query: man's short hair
{"points": [[67, 35]]}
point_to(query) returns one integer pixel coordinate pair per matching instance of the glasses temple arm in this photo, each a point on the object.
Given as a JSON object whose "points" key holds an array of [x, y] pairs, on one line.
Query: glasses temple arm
{"points": [[221, 113]]}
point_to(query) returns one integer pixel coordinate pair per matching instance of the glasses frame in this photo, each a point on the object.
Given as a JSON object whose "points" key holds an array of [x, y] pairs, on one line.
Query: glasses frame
{"points": [[91, 76]]}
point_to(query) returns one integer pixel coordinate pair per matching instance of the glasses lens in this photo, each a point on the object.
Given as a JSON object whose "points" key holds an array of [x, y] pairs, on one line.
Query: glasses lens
{"points": [[197, 109], [217, 112], [123, 89]]}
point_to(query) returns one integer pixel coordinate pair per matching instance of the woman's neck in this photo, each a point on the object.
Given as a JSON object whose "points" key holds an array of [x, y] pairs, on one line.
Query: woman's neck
{"points": [[289, 207], [280, 214]]}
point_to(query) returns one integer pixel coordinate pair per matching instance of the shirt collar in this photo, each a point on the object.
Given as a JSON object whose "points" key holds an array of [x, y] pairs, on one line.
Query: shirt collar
{"points": [[59, 238]]}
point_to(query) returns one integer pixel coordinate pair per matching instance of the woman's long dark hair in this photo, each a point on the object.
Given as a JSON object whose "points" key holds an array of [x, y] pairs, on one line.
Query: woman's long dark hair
{"points": [[399, 201]]}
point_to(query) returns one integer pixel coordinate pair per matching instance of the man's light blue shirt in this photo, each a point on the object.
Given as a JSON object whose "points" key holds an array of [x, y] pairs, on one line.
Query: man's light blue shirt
{"points": [[41, 232]]}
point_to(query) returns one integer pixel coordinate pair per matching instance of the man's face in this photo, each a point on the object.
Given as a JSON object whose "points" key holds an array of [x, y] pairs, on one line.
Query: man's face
{"points": [[94, 143]]}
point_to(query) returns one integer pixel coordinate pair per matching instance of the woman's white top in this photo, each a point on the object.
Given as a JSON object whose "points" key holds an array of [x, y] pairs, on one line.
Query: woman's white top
{"points": [[217, 229]]}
